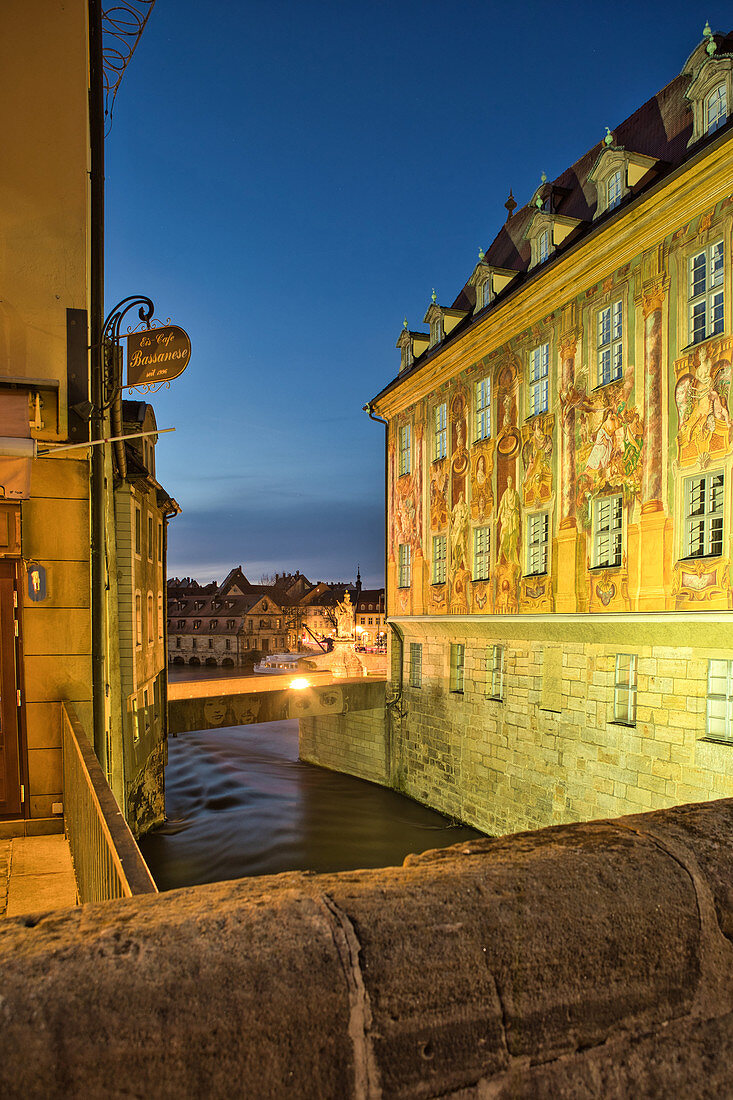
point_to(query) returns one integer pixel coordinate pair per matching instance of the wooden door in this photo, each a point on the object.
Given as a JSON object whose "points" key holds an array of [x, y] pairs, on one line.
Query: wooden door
{"points": [[10, 801]]}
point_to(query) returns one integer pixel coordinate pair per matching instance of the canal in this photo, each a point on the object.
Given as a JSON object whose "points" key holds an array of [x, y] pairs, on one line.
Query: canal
{"points": [[239, 802]]}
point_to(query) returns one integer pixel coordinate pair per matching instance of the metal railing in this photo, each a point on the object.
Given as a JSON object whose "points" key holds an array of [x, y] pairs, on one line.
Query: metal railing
{"points": [[107, 861]]}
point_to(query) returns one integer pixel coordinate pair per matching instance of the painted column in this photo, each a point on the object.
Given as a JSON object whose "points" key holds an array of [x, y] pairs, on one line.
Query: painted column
{"points": [[652, 300], [655, 528], [566, 597]]}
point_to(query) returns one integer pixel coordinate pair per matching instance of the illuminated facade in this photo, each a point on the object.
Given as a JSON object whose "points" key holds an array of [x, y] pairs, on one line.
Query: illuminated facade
{"points": [[560, 489]]}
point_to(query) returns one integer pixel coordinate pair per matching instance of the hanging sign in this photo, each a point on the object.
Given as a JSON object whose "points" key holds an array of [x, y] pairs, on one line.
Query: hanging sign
{"points": [[157, 355], [36, 582]]}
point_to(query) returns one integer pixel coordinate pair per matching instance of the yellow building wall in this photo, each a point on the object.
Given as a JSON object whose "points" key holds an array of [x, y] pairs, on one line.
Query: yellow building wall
{"points": [[44, 218]]}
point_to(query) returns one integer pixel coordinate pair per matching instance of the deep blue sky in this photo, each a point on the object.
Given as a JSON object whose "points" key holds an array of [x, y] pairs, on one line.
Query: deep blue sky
{"points": [[287, 180]]}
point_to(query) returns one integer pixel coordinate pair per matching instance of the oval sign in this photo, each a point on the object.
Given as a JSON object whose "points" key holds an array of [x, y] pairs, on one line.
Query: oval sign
{"points": [[157, 355]]}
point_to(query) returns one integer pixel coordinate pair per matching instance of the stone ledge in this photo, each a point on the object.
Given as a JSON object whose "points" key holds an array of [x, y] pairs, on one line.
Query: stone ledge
{"points": [[580, 960]]}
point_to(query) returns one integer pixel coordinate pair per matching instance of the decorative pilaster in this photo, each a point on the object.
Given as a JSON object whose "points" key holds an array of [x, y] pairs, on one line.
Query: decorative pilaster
{"points": [[566, 598]]}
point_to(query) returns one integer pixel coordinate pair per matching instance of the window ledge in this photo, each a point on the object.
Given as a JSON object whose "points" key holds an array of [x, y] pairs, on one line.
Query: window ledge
{"points": [[607, 568], [626, 725], [699, 344], [716, 741]]}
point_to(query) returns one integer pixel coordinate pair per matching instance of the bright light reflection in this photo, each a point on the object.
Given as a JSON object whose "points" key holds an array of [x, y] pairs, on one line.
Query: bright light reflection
{"points": [[300, 682]]}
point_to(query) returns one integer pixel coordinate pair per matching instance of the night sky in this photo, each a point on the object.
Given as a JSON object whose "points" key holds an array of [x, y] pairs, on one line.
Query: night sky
{"points": [[288, 180]]}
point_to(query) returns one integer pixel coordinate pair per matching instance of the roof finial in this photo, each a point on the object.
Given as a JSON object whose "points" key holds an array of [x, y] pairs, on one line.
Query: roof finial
{"points": [[608, 139], [404, 324], [481, 253], [543, 178], [510, 205], [434, 296], [711, 47]]}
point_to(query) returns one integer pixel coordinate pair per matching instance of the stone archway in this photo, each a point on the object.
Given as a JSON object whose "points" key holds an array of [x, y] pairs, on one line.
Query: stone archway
{"points": [[227, 663], [194, 661], [211, 662]]}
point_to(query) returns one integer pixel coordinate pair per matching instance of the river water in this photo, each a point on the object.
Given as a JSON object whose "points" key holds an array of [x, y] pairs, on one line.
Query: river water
{"points": [[239, 803]]}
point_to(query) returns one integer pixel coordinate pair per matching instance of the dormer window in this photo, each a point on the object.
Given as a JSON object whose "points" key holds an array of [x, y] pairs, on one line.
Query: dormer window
{"points": [[545, 232], [716, 108], [196, 623], [710, 94], [436, 331], [488, 281], [442, 320], [615, 172], [543, 246], [410, 344]]}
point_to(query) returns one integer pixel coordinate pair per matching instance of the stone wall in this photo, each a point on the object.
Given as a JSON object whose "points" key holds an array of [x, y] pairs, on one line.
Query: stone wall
{"points": [[356, 743], [550, 751], [581, 961]]}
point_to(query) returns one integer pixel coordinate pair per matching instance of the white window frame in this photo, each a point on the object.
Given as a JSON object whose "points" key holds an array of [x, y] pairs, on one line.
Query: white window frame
{"points": [[538, 543], [404, 558], [440, 558], [608, 531], [610, 342], [706, 292], [543, 245], [483, 409], [719, 700], [457, 668], [539, 379], [151, 537], [624, 689], [404, 461], [436, 331], [481, 553], [486, 290], [415, 664], [718, 118], [495, 671], [614, 189], [160, 616], [704, 524], [440, 425], [138, 619]]}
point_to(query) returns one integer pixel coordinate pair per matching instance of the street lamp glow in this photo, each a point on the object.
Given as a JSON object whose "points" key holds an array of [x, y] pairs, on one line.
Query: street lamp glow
{"points": [[299, 683]]}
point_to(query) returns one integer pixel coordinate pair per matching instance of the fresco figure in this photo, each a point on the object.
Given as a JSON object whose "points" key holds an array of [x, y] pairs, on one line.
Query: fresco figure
{"points": [[459, 532], [508, 516]]}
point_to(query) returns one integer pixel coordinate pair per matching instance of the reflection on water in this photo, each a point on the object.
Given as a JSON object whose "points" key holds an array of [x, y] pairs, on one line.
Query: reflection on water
{"points": [[239, 802]]}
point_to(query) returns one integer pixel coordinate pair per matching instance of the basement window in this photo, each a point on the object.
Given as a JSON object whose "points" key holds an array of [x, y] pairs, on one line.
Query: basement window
{"points": [[624, 692], [457, 665], [415, 664]]}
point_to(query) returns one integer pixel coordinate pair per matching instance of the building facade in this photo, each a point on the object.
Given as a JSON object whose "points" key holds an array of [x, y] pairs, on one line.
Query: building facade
{"points": [[370, 619], [560, 489]]}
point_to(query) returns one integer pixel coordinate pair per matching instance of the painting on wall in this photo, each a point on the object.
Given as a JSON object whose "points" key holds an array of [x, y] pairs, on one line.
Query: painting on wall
{"points": [[701, 395], [537, 459]]}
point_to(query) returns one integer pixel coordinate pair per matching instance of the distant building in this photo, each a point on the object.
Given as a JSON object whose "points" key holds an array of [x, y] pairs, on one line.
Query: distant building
{"points": [[560, 488], [369, 617]]}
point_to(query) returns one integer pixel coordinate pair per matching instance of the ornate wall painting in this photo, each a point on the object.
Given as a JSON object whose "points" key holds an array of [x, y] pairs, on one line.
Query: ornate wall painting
{"points": [[536, 594], [459, 448], [508, 569], [701, 395], [537, 447], [609, 446], [460, 591], [482, 597], [482, 469], [702, 583], [608, 589], [437, 601], [439, 495]]}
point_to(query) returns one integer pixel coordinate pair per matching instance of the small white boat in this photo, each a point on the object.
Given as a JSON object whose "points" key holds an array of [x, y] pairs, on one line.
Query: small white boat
{"points": [[282, 663]]}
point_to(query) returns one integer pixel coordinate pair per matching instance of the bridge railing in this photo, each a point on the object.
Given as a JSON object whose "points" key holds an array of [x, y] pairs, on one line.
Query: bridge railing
{"points": [[107, 861]]}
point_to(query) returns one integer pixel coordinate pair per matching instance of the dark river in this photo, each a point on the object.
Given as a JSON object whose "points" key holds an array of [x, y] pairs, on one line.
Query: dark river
{"points": [[239, 802]]}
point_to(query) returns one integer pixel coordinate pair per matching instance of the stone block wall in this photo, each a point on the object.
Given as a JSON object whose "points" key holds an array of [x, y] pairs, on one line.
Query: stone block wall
{"points": [[355, 743], [550, 751]]}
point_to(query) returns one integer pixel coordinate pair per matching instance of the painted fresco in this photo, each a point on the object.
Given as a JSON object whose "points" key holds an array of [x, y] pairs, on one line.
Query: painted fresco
{"points": [[701, 392], [482, 469], [608, 446], [537, 459]]}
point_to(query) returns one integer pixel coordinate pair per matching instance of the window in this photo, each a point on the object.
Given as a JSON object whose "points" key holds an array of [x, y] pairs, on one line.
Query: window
{"points": [[539, 362], [193, 643], [440, 553], [160, 542], [230, 624], [495, 670], [607, 531], [719, 722], [704, 516], [537, 525], [196, 623], [404, 457], [369, 621], [610, 343], [716, 109], [146, 710], [135, 722], [436, 331], [485, 294], [228, 644], [481, 553], [624, 691], [181, 624], [249, 625], [151, 547], [457, 659], [213, 623], [705, 292], [483, 409], [441, 431], [614, 188], [363, 620], [415, 665], [138, 531], [404, 561], [150, 617], [160, 616], [138, 619], [178, 643], [543, 245], [211, 643]]}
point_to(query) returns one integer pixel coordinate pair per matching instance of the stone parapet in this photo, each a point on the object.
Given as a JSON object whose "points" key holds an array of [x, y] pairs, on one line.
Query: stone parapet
{"points": [[582, 960]]}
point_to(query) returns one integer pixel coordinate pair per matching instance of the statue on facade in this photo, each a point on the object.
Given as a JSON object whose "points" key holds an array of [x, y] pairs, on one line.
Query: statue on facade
{"points": [[345, 617]]}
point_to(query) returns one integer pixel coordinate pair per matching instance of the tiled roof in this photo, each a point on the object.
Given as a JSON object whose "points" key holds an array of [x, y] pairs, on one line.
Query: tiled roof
{"points": [[661, 128]]}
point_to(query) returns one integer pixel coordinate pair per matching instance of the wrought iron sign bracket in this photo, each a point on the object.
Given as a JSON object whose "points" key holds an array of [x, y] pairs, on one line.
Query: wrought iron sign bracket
{"points": [[111, 347]]}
